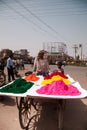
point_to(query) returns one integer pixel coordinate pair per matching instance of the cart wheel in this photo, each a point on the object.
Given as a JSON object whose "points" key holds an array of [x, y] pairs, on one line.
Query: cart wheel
{"points": [[33, 122], [24, 112], [35, 104], [18, 102]]}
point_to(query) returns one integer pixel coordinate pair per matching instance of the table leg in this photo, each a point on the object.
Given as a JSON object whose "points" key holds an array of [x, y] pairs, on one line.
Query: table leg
{"points": [[60, 110]]}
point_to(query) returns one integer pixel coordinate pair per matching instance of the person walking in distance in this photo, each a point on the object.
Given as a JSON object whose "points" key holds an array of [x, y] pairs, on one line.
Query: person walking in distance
{"points": [[10, 68]]}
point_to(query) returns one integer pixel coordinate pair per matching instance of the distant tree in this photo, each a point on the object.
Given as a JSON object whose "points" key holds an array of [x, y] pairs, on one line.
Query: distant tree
{"points": [[5, 53]]}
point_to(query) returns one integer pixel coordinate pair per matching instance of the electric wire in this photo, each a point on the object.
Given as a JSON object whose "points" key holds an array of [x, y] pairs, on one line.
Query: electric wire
{"points": [[43, 22], [51, 9], [20, 14]]}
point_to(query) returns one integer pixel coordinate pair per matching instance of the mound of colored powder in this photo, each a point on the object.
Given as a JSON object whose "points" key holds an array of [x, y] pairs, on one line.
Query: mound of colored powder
{"points": [[31, 77], [18, 86], [59, 88], [55, 74], [55, 78]]}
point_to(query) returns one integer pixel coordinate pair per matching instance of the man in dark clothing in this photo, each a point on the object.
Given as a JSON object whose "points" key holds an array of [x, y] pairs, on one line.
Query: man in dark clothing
{"points": [[2, 66]]}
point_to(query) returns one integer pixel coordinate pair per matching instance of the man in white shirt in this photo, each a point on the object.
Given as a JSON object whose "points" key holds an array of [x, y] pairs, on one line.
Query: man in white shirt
{"points": [[10, 68]]}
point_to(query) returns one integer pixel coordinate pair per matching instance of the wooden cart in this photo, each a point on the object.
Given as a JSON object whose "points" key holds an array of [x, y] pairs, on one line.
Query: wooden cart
{"points": [[30, 105]]}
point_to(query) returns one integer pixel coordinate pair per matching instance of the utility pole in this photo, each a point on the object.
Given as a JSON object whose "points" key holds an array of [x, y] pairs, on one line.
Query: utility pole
{"points": [[75, 48], [80, 45]]}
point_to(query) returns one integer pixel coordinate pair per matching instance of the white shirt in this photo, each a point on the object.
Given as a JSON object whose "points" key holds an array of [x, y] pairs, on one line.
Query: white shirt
{"points": [[9, 62]]}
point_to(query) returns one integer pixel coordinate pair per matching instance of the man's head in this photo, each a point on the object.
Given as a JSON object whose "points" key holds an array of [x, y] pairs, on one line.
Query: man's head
{"points": [[41, 53], [11, 55]]}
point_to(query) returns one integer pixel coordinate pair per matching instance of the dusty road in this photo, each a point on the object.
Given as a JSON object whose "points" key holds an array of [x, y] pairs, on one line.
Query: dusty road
{"points": [[75, 113]]}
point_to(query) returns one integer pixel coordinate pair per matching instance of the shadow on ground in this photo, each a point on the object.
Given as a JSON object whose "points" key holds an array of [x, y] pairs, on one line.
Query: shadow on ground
{"points": [[7, 101], [75, 116], [47, 119]]}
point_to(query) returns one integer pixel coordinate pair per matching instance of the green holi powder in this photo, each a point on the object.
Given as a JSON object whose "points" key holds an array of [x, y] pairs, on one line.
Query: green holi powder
{"points": [[18, 86]]}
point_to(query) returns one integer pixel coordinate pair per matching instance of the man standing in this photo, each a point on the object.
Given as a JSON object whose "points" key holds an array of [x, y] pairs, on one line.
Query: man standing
{"points": [[2, 66], [41, 65], [10, 68]]}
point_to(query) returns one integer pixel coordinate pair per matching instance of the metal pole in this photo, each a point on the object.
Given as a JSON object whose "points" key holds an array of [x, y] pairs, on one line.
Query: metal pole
{"points": [[75, 47], [81, 50]]}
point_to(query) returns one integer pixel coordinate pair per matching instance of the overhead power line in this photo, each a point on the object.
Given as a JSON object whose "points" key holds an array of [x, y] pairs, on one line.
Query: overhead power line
{"points": [[28, 20], [43, 22], [52, 4]]}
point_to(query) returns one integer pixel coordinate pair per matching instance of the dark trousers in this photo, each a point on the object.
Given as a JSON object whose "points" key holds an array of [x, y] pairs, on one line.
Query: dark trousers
{"points": [[10, 74], [42, 73]]}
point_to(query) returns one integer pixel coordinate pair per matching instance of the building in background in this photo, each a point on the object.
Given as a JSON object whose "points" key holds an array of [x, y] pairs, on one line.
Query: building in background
{"points": [[55, 47], [57, 51]]}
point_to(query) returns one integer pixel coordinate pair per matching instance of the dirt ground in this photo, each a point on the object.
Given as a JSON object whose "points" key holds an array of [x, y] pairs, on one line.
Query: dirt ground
{"points": [[74, 114]]}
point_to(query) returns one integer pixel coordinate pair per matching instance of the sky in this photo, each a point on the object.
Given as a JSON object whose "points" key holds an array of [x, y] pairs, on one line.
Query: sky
{"points": [[35, 24]]}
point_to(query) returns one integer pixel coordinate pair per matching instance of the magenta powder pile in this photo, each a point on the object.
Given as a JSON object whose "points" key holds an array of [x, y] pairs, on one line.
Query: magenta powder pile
{"points": [[59, 88]]}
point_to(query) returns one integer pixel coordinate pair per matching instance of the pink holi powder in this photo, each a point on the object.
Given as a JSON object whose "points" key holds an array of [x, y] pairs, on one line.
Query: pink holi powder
{"points": [[59, 88]]}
